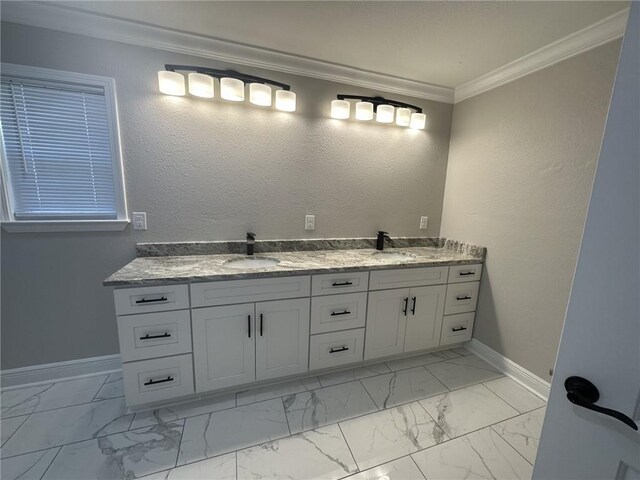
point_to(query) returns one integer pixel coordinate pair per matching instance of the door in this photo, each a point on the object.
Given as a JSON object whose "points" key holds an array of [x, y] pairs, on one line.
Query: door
{"points": [[223, 346], [386, 323], [601, 336], [424, 318], [282, 338]]}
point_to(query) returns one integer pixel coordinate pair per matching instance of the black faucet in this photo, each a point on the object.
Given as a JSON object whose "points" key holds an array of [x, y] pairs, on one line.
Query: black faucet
{"points": [[251, 240], [380, 242]]}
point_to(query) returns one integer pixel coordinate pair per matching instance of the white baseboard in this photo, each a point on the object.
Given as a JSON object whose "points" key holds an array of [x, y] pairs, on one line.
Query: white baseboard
{"points": [[56, 371], [511, 369]]}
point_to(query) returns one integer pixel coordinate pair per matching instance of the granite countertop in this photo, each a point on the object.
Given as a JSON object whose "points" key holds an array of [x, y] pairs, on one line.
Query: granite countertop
{"points": [[184, 268]]}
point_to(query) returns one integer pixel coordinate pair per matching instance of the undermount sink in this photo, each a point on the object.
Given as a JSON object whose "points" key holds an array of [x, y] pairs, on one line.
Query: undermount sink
{"points": [[251, 263], [391, 255]]}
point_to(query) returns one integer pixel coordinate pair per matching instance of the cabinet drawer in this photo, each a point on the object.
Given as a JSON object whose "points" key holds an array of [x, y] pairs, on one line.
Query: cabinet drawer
{"points": [[151, 299], [461, 297], [407, 277], [457, 328], [338, 312], [336, 348], [158, 379], [152, 335], [340, 283], [465, 273], [228, 292]]}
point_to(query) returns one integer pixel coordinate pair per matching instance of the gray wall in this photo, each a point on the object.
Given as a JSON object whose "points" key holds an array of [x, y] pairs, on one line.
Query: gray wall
{"points": [[521, 166], [207, 171]]}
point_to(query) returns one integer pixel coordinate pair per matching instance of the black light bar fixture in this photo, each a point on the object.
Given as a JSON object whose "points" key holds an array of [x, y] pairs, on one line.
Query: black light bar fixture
{"points": [[405, 114], [232, 86]]}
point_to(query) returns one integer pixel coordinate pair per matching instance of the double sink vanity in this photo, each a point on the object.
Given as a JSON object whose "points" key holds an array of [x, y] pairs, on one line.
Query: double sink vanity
{"points": [[200, 317]]}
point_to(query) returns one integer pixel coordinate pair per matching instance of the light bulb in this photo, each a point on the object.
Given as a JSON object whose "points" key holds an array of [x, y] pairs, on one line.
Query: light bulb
{"points": [[403, 117], [364, 111], [384, 114], [340, 109], [200, 85], [232, 89], [260, 94], [418, 121], [171, 83], [285, 100]]}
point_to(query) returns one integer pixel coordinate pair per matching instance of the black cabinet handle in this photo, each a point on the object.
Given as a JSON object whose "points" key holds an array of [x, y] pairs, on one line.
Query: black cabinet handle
{"points": [[583, 393], [466, 297], [336, 314], [406, 304], [261, 322], [343, 284], [249, 324], [458, 329], [151, 300], [464, 274], [413, 307], [151, 337], [155, 382], [336, 350]]}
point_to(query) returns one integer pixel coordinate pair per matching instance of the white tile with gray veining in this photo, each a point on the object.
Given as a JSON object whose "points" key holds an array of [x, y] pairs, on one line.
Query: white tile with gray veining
{"points": [[352, 374], [326, 405], [113, 387], [8, 427], [30, 466], [383, 436], [402, 469], [479, 455], [515, 394], [120, 456], [402, 387], [222, 467], [463, 371], [419, 360], [523, 432], [468, 409], [317, 454], [221, 432], [278, 390]]}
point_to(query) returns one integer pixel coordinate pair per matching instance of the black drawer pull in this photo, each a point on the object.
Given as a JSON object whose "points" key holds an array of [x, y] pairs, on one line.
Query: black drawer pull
{"points": [[151, 300], [341, 349], [336, 314], [466, 297], [155, 382], [249, 324], [406, 304], [458, 329], [343, 284], [464, 274], [151, 337]]}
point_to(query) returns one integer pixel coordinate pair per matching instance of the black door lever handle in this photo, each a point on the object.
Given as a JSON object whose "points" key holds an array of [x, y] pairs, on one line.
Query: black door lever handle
{"points": [[583, 393]]}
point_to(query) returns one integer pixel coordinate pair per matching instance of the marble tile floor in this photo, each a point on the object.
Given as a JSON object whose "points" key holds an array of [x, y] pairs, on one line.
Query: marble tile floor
{"points": [[445, 415]]}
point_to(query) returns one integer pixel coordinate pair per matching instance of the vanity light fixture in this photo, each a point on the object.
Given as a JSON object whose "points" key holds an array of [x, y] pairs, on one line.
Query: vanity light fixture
{"points": [[406, 115], [232, 86]]}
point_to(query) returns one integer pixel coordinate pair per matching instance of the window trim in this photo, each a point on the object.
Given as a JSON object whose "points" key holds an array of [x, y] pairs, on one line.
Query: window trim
{"points": [[9, 222]]}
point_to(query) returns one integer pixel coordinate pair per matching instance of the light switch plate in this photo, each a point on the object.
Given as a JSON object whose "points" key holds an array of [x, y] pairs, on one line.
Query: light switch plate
{"points": [[139, 220], [309, 222], [423, 223]]}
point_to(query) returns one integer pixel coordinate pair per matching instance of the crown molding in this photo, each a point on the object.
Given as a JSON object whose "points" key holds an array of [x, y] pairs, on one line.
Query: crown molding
{"points": [[579, 42], [71, 20]]}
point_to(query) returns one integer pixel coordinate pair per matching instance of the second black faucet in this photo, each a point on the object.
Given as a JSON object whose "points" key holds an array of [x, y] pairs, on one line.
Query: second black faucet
{"points": [[381, 237]]}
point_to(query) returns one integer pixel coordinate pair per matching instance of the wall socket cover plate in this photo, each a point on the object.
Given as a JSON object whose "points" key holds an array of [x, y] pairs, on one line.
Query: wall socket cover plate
{"points": [[309, 222], [423, 223], [139, 220]]}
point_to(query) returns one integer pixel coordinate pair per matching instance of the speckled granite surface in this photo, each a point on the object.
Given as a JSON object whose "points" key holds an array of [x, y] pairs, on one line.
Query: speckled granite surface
{"points": [[182, 268]]}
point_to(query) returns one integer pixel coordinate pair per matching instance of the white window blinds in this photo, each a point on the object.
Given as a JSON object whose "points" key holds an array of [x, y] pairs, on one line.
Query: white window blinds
{"points": [[57, 148]]}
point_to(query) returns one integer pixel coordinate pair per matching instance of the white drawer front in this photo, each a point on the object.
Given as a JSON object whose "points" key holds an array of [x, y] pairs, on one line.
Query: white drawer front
{"points": [[336, 348], [461, 297], [332, 283], [151, 299], [408, 277], [338, 312], [229, 292], [153, 335], [457, 328], [465, 273], [158, 379]]}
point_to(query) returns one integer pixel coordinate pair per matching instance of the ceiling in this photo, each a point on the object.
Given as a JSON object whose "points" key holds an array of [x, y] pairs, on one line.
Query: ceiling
{"points": [[441, 43]]}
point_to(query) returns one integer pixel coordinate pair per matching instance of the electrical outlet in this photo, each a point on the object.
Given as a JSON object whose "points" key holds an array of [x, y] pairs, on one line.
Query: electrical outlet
{"points": [[309, 222], [423, 223], [139, 220]]}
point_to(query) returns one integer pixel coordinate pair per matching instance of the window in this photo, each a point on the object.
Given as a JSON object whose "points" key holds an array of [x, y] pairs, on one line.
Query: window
{"points": [[61, 165]]}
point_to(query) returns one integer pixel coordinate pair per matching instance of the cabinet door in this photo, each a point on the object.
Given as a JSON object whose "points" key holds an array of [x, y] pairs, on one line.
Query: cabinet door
{"points": [[424, 319], [282, 338], [386, 323], [223, 346]]}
